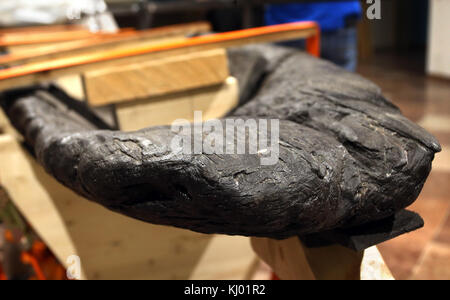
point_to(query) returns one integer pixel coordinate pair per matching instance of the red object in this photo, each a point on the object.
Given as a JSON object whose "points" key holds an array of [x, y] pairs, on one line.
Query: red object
{"points": [[313, 44], [2, 275], [32, 258], [43, 263]]}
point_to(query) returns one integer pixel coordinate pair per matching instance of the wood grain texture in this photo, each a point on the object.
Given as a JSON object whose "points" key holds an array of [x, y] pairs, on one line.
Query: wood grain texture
{"points": [[291, 260], [43, 28], [109, 42], [27, 38], [214, 102], [20, 54], [286, 258], [155, 78], [226, 257]]}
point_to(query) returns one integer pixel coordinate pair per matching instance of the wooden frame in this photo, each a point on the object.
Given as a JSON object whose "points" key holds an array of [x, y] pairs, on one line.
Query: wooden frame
{"points": [[102, 43], [35, 72]]}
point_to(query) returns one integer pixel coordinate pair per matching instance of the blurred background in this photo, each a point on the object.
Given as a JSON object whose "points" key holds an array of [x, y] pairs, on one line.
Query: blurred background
{"points": [[406, 52]]}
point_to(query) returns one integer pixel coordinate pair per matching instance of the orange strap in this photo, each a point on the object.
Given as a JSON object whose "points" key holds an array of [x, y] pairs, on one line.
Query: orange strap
{"points": [[313, 46]]}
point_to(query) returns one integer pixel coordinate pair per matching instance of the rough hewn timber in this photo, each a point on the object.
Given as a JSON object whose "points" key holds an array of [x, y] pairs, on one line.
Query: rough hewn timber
{"points": [[347, 157]]}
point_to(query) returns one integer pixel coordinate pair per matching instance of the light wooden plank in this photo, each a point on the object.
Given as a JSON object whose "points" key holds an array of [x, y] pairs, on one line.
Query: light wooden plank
{"points": [[27, 38], [214, 102], [286, 258], [28, 51], [43, 28], [222, 259], [95, 44], [72, 85], [217, 105], [374, 266], [155, 78], [291, 260]]}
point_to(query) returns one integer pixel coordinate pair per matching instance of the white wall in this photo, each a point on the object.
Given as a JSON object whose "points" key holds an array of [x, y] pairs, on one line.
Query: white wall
{"points": [[439, 38]]}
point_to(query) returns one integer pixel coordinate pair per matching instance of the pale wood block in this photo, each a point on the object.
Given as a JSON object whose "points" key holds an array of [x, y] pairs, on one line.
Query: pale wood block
{"points": [[153, 78], [374, 266], [153, 112], [72, 85], [286, 258], [111, 246], [291, 260], [24, 49], [221, 103], [214, 101], [20, 55], [236, 261]]}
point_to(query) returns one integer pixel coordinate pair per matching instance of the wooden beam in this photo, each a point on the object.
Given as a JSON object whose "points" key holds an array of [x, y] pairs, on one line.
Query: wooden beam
{"points": [[27, 54], [291, 260], [44, 28], [155, 78], [286, 258], [226, 257], [30, 49], [214, 102], [17, 51], [27, 38], [47, 70], [104, 43]]}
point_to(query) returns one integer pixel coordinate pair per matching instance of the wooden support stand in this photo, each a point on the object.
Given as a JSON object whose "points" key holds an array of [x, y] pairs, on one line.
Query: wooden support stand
{"points": [[291, 260]]}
